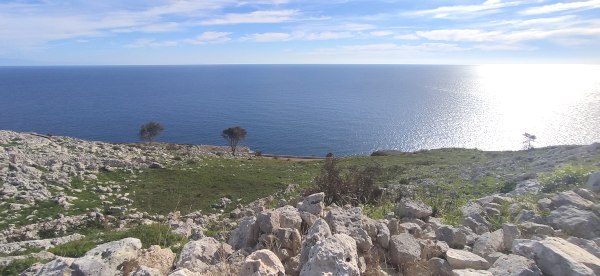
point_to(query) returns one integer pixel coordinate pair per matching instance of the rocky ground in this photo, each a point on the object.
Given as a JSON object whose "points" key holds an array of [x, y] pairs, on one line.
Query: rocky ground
{"points": [[525, 231]]}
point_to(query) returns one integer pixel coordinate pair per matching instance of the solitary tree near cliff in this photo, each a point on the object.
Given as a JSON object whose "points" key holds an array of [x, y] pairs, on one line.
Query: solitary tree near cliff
{"points": [[234, 135], [150, 130], [529, 138]]}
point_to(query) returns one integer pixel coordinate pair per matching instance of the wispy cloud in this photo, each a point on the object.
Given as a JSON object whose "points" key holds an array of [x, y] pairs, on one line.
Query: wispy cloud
{"points": [[458, 11], [210, 37], [276, 16], [271, 37], [560, 7], [150, 42]]}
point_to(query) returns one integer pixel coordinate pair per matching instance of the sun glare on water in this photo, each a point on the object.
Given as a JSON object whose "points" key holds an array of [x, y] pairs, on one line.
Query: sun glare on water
{"points": [[551, 101]]}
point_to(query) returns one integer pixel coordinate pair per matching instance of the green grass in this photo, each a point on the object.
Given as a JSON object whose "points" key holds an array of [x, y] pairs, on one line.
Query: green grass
{"points": [[18, 266], [198, 186], [153, 234]]}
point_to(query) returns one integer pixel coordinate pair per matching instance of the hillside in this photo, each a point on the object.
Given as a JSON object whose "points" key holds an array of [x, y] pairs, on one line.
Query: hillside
{"points": [[63, 196]]}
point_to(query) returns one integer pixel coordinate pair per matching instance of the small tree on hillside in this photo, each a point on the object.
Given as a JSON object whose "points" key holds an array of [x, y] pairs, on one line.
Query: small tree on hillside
{"points": [[234, 135], [529, 138], [150, 130]]}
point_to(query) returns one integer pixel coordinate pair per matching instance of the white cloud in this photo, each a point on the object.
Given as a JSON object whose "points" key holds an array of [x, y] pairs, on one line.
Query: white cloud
{"points": [[459, 35], [461, 11], [210, 37], [276, 16], [149, 42], [381, 33], [424, 47], [559, 7], [406, 37], [269, 37]]}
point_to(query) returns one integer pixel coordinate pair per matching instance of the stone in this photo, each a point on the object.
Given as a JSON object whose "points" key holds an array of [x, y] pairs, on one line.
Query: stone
{"points": [[317, 232], [246, 235], [570, 198], [456, 238], [587, 245], [143, 270], [470, 272], [289, 238], [342, 221], [489, 243], [57, 267], [289, 217], [383, 235], [593, 182], [433, 249], [575, 222], [336, 255], [404, 249], [362, 238], [262, 262], [107, 259], [408, 208], [198, 255], [530, 229], [586, 194], [514, 265], [555, 256], [267, 221], [529, 216], [439, 266], [157, 258], [313, 204], [510, 232], [460, 259]]}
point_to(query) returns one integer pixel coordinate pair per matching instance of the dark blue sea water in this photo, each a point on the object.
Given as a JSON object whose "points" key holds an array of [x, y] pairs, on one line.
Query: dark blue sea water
{"points": [[311, 109]]}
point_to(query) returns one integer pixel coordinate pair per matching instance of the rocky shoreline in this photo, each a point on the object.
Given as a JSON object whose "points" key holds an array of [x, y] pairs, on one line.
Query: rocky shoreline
{"points": [[553, 233]]}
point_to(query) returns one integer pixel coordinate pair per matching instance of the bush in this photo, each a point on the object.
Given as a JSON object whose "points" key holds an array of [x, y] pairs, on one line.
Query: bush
{"points": [[564, 178], [356, 187]]}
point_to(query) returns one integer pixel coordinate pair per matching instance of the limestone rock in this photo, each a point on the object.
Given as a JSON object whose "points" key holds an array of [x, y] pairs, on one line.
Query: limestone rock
{"points": [[578, 223], [57, 267], [514, 265], [336, 255], [456, 238], [460, 259], [198, 255], [246, 235], [439, 266], [317, 232], [262, 263], [587, 245], [510, 232], [593, 182], [313, 204], [555, 256], [413, 209], [570, 198], [470, 272], [530, 230], [489, 243], [404, 249], [157, 258], [107, 259], [383, 235]]}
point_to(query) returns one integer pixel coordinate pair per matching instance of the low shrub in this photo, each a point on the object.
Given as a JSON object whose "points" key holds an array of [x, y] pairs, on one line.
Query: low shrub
{"points": [[355, 187], [17, 266], [564, 178]]}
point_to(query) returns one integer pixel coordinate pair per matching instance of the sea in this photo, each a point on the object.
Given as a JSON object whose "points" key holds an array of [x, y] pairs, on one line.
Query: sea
{"points": [[311, 109]]}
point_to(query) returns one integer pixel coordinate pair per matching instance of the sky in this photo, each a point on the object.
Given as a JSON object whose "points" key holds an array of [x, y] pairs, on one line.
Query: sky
{"points": [[140, 32]]}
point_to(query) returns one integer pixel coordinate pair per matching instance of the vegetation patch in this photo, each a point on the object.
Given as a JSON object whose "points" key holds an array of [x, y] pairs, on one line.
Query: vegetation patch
{"points": [[152, 234]]}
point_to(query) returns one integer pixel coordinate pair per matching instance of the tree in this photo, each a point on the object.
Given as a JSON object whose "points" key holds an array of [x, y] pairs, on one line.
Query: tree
{"points": [[529, 138], [150, 130], [234, 135]]}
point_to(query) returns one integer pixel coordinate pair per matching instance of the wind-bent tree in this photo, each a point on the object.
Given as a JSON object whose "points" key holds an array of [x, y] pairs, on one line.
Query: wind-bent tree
{"points": [[529, 138], [234, 135], [150, 130]]}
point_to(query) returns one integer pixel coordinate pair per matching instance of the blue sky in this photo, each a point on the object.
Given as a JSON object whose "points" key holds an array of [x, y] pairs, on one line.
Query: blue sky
{"points": [[69, 32]]}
